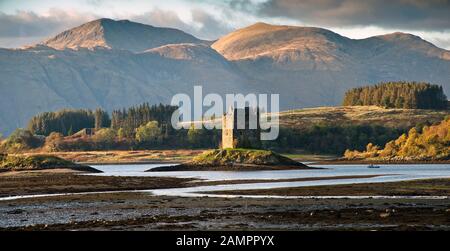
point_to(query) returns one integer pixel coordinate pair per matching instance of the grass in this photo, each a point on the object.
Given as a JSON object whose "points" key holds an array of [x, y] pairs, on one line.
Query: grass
{"points": [[38, 162], [300, 155], [241, 156], [126, 156], [355, 115], [359, 115]]}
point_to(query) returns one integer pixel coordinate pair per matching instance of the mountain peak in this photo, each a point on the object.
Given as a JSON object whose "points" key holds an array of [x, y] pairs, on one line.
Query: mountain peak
{"points": [[121, 34], [260, 25], [88, 35], [395, 36], [276, 41], [407, 41]]}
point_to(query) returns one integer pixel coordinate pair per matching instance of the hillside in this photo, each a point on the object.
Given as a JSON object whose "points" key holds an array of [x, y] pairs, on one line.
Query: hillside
{"points": [[114, 64], [296, 43], [359, 115], [311, 66], [432, 143], [354, 115], [45, 79], [281, 43], [123, 35]]}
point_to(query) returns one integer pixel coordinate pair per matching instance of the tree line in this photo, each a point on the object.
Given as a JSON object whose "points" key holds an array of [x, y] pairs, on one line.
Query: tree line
{"points": [[128, 120], [148, 126], [408, 95], [68, 121], [332, 139]]}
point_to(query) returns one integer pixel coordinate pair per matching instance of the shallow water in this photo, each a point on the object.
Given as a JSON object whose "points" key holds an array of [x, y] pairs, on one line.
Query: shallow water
{"points": [[389, 173], [401, 172]]}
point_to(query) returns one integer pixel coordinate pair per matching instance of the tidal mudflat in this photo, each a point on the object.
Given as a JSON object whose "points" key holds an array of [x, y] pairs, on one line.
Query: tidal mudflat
{"points": [[141, 211], [405, 198]]}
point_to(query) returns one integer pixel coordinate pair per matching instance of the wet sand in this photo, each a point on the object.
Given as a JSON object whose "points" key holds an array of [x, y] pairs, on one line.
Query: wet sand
{"points": [[427, 187], [138, 211], [144, 211], [249, 181], [67, 181]]}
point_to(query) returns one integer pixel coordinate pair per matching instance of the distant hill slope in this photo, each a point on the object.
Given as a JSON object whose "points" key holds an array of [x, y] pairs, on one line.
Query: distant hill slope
{"points": [[281, 43], [45, 79], [114, 64], [295, 43], [359, 115], [432, 143], [353, 115], [311, 66], [121, 34]]}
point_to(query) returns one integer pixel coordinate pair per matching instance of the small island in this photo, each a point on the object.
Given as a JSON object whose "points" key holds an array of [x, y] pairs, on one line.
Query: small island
{"points": [[236, 160], [40, 162], [240, 149]]}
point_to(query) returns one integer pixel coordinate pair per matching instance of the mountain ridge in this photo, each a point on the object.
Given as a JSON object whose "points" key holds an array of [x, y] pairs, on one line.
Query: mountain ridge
{"points": [[121, 34], [307, 66], [234, 46]]}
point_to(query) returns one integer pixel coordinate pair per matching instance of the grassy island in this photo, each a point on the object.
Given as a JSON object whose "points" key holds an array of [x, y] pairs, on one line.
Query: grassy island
{"points": [[39, 162], [237, 159]]}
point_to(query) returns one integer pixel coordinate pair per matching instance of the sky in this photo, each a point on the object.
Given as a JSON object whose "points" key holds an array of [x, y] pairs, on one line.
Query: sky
{"points": [[25, 22]]}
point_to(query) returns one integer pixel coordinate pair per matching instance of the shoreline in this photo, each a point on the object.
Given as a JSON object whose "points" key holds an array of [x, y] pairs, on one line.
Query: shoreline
{"points": [[235, 167], [124, 156], [177, 156], [137, 211], [63, 181], [419, 187], [129, 163], [57, 181], [380, 162], [309, 162]]}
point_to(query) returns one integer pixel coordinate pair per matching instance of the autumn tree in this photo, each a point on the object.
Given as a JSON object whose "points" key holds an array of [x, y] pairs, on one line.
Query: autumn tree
{"points": [[149, 133]]}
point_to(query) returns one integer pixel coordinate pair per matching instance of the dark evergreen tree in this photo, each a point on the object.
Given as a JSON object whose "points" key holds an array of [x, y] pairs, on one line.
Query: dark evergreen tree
{"points": [[64, 121], [409, 95], [133, 117], [101, 119]]}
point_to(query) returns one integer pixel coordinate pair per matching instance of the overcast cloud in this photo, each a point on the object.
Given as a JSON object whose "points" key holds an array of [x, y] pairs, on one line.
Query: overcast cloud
{"points": [[400, 14], [24, 28], [202, 25]]}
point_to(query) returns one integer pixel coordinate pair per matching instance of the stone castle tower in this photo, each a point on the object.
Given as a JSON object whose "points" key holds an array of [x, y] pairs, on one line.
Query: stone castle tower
{"points": [[241, 133]]}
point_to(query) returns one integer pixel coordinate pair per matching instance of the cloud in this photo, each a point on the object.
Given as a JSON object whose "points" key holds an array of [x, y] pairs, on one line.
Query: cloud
{"points": [[202, 25], [400, 14], [162, 18], [210, 27], [26, 27], [213, 19], [441, 42]]}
